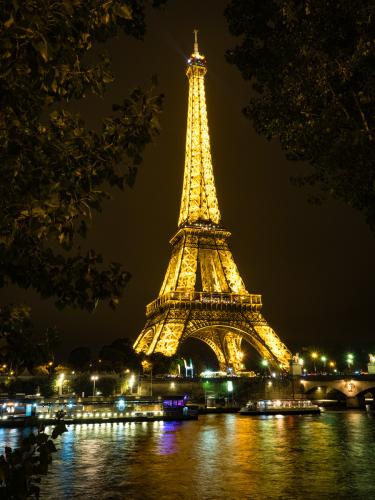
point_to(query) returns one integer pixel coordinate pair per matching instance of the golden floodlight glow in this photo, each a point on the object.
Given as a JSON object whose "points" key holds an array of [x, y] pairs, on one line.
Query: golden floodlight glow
{"points": [[203, 295]]}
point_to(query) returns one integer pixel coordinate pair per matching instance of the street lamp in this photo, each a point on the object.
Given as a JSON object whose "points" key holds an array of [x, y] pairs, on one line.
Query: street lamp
{"points": [[60, 382], [324, 361], [314, 355], [350, 360], [264, 364], [94, 378], [230, 390], [205, 384], [131, 383]]}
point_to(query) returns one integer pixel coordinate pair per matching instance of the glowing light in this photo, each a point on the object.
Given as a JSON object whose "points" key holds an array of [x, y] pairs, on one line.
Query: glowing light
{"points": [[200, 246], [131, 382], [229, 386], [94, 378], [121, 404]]}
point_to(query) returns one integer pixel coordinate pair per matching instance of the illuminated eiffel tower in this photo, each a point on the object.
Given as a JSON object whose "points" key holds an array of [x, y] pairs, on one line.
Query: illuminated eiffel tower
{"points": [[203, 295]]}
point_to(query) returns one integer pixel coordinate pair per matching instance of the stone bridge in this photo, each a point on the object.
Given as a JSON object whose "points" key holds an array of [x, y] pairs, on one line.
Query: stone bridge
{"points": [[352, 388]]}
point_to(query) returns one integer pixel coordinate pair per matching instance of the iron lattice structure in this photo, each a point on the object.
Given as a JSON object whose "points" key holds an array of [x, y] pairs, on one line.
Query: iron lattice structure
{"points": [[203, 295]]}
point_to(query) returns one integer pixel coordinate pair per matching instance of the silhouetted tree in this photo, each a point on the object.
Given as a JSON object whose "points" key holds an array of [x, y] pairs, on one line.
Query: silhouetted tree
{"points": [[55, 170], [161, 364], [119, 355], [312, 69], [19, 346], [21, 468], [79, 358]]}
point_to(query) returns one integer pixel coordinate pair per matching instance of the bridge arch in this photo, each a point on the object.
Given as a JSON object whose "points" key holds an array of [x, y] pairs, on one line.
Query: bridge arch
{"points": [[368, 392]]}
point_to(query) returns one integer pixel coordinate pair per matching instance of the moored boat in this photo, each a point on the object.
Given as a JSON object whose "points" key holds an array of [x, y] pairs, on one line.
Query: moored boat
{"points": [[280, 407]]}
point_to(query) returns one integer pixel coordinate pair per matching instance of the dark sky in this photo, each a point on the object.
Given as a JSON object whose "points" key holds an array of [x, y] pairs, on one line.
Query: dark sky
{"points": [[314, 266]]}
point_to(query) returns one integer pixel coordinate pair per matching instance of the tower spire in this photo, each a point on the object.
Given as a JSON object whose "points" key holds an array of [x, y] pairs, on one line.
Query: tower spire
{"points": [[199, 201], [196, 50]]}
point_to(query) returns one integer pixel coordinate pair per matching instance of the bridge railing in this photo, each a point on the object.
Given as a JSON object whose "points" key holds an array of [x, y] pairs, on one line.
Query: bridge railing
{"points": [[205, 299]]}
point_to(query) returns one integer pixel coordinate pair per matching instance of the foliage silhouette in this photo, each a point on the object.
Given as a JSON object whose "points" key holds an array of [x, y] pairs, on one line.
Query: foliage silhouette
{"points": [[311, 65]]}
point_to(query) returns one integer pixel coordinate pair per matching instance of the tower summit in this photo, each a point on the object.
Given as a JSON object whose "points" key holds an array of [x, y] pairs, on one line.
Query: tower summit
{"points": [[203, 295], [199, 201]]}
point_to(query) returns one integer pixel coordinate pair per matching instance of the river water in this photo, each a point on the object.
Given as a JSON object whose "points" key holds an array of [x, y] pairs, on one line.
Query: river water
{"points": [[327, 456]]}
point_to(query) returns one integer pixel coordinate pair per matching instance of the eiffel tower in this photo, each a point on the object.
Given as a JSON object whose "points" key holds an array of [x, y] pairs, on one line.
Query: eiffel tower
{"points": [[203, 295]]}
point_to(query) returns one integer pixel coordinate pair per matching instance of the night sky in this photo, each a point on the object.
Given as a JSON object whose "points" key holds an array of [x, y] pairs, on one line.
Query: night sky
{"points": [[314, 266]]}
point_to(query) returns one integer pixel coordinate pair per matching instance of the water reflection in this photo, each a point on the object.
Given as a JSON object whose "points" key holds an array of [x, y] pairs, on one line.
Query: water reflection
{"points": [[219, 456]]}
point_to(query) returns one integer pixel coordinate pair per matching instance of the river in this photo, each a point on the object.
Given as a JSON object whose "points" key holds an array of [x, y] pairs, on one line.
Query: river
{"points": [[327, 456]]}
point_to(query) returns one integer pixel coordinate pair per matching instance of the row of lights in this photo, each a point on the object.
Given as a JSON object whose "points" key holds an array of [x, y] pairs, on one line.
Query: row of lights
{"points": [[94, 379], [105, 414], [323, 359]]}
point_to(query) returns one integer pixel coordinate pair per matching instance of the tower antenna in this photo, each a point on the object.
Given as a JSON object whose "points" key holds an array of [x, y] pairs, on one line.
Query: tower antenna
{"points": [[196, 51]]}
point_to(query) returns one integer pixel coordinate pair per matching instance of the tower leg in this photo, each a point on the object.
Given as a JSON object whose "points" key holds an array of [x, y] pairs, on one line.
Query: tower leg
{"points": [[232, 348], [270, 347], [164, 334]]}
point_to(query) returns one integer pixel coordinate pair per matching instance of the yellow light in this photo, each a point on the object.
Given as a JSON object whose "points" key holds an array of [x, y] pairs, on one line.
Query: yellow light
{"points": [[222, 313]]}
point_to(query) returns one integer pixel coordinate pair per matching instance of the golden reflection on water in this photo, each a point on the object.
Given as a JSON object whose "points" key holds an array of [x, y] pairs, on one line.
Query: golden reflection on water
{"points": [[218, 457]]}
